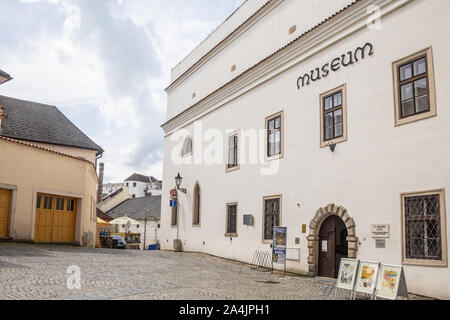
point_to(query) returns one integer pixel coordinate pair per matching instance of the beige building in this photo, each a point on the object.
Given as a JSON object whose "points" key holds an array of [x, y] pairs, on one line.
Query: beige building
{"points": [[328, 117], [47, 176]]}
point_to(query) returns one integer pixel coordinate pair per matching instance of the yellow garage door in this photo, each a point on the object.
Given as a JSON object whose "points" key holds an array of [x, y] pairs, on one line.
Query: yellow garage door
{"points": [[5, 196], [55, 219]]}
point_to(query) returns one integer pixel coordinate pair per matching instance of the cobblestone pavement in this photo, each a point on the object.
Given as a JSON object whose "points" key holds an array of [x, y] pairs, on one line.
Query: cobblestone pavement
{"points": [[40, 272]]}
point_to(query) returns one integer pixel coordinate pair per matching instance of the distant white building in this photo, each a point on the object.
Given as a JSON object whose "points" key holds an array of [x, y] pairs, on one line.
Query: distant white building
{"points": [[109, 188], [143, 186]]}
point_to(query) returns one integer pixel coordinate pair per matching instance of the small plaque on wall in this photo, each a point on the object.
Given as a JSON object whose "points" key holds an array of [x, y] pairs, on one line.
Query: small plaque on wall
{"points": [[380, 243], [248, 220], [381, 231]]}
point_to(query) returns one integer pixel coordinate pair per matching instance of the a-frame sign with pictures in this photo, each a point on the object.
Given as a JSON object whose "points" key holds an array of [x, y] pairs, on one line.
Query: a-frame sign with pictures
{"points": [[391, 282], [348, 271], [366, 281]]}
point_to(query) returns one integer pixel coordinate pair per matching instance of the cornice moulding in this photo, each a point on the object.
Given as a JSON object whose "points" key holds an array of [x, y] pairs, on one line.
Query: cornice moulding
{"points": [[261, 13], [347, 22]]}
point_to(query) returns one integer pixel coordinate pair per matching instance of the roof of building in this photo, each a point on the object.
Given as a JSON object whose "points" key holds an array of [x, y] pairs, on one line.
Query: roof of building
{"points": [[244, 72], [138, 177], [4, 75], [138, 208], [103, 216], [42, 148], [38, 122], [112, 194]]}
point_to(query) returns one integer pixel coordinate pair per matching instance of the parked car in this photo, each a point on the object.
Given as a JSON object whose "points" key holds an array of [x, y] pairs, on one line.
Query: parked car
{"points": [[118, 242]]}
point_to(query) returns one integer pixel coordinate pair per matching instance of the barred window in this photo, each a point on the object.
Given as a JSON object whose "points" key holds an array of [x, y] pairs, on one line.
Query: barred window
{"points": [[231, 219], [271, 216], [423, 227]]}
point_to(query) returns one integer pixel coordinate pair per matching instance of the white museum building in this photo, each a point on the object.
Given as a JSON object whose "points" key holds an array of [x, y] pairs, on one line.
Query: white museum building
{"points": [[328, 117]]}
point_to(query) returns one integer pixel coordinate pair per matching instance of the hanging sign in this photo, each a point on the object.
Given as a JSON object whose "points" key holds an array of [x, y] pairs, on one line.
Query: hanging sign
{"points": [[279, 245], [348, 271], [366, 280], [391, 282]]}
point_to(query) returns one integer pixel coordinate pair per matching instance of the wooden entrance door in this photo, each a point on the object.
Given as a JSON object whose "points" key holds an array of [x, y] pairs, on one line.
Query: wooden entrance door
{"points": [[327, 244], [333, 246], [5, 199], [55, 219]]}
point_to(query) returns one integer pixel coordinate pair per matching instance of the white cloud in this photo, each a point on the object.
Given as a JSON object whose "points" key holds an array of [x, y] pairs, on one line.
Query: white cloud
{"points": [[105, 64]]}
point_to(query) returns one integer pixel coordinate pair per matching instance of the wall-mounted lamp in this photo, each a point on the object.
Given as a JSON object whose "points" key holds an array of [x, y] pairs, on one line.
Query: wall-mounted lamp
{"points": [[333, 147], [178, 180]]}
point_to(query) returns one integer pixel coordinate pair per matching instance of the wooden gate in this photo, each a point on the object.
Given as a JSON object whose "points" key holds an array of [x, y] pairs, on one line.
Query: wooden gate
{"points": [[5, 199], [55, 219]]}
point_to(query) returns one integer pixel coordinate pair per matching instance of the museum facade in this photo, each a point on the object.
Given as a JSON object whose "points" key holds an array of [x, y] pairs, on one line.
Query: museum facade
{"points": [[325, 117]]}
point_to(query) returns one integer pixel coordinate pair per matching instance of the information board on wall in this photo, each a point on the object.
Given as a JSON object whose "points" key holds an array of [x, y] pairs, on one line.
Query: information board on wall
{"points": [[381, 231]]}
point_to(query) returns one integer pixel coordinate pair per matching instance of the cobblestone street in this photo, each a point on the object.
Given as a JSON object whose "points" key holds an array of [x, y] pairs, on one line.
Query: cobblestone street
{"points": [[40, 272]]}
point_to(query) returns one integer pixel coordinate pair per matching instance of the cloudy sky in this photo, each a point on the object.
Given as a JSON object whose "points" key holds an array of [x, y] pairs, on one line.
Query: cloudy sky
{"points": [[105, 64]]}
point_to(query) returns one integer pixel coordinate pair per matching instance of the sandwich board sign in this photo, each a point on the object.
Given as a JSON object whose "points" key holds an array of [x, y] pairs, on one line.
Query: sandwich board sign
{"points": [[366, 280], [347, 274], [391, 282]]}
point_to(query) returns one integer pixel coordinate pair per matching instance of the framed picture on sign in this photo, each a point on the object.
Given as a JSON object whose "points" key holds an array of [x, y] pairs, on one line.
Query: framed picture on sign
{"points": [[347, 274], [390, 282], [366, 281]]}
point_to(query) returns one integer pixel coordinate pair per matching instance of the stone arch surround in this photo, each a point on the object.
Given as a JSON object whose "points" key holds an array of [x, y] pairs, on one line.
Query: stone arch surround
{"points": [[314, 229]]}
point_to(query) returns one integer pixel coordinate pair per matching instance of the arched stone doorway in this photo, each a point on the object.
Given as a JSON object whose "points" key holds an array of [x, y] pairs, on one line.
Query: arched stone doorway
{"points": [[314, 234]]}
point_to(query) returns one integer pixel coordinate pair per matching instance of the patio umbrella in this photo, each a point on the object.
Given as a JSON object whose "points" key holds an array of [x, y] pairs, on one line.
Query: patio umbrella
{"points": [[124, 220], [101, 221]]}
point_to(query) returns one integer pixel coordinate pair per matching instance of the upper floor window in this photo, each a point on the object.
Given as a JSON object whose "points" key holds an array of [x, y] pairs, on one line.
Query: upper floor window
{"points": [[187, 147], [134, 184], [274, 128], [197, 205], [414, 88], [333, 114], [233, 152], [424, 228]]}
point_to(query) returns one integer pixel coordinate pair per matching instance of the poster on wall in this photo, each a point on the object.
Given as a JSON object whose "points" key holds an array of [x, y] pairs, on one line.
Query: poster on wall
{"points": [[279, 245], [347, 274], [391, 282], [366, 281]]}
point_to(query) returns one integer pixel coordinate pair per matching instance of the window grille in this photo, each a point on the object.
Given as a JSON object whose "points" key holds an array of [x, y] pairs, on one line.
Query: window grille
{"points": [[231, 219], [271, 217], [423, 227]]}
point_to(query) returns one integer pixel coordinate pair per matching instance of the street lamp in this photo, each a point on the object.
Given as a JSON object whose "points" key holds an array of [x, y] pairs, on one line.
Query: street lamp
{"points": [[178, 180]]}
